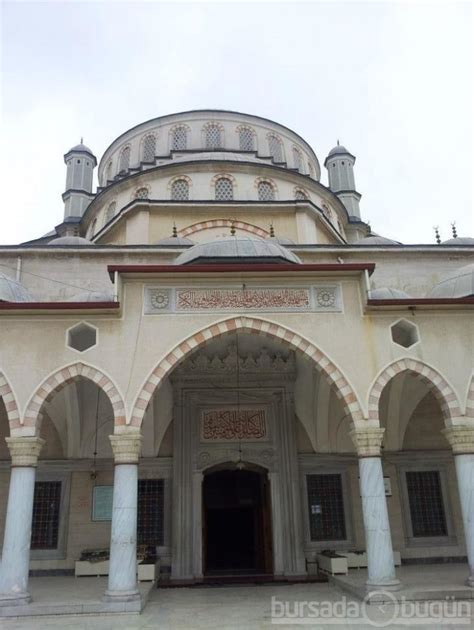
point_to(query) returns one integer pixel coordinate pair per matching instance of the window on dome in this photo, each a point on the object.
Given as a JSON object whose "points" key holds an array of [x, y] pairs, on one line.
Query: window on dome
{"points": [[180, 190], [109, 215], [300, 195], [108, 172], [124, 163], [142, 193], [246, 139], [179, 139], [148, 148], [224, 189], [297, 159], [310, 169], [266, 191], [213, 137], [274, 146]]}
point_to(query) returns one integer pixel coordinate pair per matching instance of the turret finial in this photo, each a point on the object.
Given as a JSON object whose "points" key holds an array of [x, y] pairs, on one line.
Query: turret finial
{"points": [[453, 227], [232, 227], [338, 142], [437, 236], [82, 139], [175, 231], [272, 231]]}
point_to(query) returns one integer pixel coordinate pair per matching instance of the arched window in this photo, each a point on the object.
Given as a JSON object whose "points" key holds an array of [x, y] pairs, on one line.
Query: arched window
{"points": [[148, 148], [266, 191], [274, 147], [310, 169], [108, 172], [124, 162], [93, 228], [141, 193], [246, 139], [180, 190], [224, 189], [179, 139], [300, 194], [109, 215], [297, 159], [213, 137]]}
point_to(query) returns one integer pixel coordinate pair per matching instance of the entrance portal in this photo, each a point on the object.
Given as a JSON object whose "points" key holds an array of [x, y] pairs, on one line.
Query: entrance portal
{"points": [[236, 523]]}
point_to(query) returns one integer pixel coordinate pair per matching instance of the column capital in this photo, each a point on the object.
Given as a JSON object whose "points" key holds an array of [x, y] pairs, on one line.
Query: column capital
{"points": [[367, 440], [461, 438], [24, 451], [126, 447]]}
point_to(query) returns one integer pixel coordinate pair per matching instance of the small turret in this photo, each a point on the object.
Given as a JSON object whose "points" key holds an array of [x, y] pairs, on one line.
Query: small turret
{"points": [[80, 162], [340, 166]]}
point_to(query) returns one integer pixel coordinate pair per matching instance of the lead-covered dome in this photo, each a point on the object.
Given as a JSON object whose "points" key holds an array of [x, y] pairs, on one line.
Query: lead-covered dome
{"points": [[458, 284], [237, 250], [388, 293], [377, 240], [70, 240], [12, 291], [459, 240]]}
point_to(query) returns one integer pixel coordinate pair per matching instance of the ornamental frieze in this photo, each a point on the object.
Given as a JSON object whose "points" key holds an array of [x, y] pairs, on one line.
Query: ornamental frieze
{"points": [[239, 298]]}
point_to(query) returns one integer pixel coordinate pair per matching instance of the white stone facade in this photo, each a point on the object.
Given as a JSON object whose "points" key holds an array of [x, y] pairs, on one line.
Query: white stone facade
{"points": [[156, 378]]}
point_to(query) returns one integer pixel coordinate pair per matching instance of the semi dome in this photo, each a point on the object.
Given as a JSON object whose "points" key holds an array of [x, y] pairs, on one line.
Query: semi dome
{"points": [[388, 293], [175, 240], [377, 240], [237, 250], [70, 240], [458, 284], [459, 240], [12, 291], [92, 296]]}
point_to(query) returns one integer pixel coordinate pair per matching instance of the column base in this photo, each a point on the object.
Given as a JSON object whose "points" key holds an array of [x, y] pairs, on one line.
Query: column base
{"points": [[14, 599], [386, 585], [121, 596]]}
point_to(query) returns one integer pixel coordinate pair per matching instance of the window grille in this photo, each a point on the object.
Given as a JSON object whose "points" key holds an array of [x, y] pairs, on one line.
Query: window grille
{"points": [[148, 148], [326, 507], [46, 509], [124, 160], [246, 139], [274, 146], [180, 190], [300, 195], [142, 193], [224, 189], [179, 139], [265, 191], [297, 161], [213, 137], [110, 211], [150, 517], [426, 503]]}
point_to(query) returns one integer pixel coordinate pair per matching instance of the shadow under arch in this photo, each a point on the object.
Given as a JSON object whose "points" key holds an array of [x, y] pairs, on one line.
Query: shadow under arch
{"points": [[253, 325], [433, 380], [62, 377]]}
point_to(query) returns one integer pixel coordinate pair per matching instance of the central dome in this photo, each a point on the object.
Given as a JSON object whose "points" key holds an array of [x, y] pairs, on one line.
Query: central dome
{"points": [[237, 250]]}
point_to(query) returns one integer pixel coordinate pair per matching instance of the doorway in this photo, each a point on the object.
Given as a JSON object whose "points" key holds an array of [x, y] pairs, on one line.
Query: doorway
{"points": [[236, 523]]}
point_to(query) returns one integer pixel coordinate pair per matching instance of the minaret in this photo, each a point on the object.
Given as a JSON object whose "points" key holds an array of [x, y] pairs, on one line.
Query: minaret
{"points": [[80, 163], [340, 166]]}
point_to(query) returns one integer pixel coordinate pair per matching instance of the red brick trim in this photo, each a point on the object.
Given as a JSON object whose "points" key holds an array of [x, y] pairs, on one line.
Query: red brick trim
{"points": [[8, 397], [227, 223]]}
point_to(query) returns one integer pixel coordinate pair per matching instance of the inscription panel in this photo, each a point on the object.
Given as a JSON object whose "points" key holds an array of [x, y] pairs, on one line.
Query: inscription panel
{"points": [[233, 425], [323, 298]]}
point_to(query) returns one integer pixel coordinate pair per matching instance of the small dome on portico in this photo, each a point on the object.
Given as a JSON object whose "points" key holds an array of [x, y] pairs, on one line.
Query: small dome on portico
{"points": [[13, 291], [458, 284], [237, 250]]}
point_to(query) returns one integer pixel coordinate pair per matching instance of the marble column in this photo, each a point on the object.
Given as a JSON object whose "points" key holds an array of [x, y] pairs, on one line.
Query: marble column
{"points": [[461, 439], [17, 540], [122, 584], [380, 565]]}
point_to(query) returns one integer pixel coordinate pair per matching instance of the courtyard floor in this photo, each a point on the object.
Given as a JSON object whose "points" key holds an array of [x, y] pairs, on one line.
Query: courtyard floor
{"points": [[243, 607]]}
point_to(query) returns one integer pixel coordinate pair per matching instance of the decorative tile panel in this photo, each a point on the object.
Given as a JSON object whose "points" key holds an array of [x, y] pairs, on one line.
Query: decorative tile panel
{"points": [[322, 298]]}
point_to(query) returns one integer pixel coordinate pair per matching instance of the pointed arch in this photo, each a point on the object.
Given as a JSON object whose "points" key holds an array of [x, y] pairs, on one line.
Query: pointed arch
{"points": [[258, 326], [62, 377], [9, 400], [435, 382], [213, 223], [470, 399]]}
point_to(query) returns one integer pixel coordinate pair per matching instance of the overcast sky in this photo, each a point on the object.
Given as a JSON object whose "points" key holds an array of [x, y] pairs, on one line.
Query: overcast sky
{"points": [[392, 81]]}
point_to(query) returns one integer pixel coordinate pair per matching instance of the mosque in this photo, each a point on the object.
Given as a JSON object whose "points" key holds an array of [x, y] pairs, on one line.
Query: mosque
{"points": [[213, 360]]}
